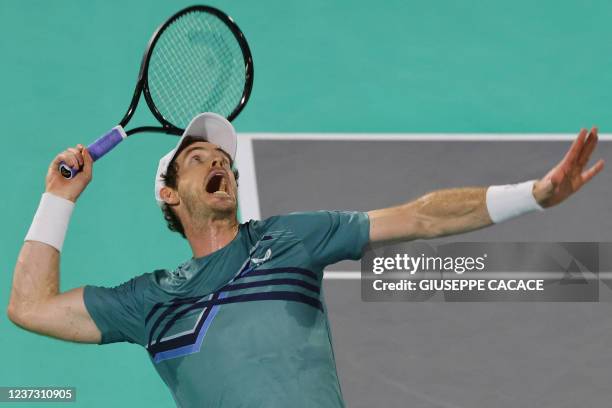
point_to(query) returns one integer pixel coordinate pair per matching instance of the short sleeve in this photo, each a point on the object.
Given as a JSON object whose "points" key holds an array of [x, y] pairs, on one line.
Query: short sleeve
{"points": [[331, 236], [118, 311]]}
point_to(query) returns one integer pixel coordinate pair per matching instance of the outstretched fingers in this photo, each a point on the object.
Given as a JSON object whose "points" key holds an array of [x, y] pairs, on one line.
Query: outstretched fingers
{"points": [[592, 172], [588, 148], [574, 152]]}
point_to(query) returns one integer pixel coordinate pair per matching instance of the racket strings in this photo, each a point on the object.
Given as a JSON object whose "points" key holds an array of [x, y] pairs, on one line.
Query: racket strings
{"points": [[190, 75], [197, 65], [170, 79], [224, 71]]}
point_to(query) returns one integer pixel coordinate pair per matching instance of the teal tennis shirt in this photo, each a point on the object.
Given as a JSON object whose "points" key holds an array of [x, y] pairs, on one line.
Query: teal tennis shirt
{"points": [[245, 326]]}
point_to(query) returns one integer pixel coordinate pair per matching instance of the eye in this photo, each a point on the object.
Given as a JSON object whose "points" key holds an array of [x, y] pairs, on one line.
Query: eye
{"points": [[226, 162], [196, 158]]}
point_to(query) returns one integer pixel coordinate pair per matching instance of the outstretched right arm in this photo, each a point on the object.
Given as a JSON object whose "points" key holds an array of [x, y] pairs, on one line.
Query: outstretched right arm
{"points": [[36, 303]]}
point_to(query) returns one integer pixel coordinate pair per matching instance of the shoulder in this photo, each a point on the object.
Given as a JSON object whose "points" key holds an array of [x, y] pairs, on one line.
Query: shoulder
{"points": [[307, 221], [134, 284], [141, 282], [285, 220]]}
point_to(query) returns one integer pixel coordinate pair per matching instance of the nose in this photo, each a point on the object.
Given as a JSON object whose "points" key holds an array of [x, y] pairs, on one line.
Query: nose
{"points": [[216, 162]]}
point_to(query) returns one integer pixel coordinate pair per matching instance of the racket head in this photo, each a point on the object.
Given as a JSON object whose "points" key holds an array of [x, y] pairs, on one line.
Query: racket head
{"points": [[197, 61]]}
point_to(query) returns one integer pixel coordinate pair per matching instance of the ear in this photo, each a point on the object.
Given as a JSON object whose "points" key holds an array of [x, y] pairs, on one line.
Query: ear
{"points": [[169, 196]]}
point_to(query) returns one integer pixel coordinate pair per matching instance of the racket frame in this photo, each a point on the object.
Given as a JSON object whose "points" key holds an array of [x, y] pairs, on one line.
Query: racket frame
{"points": [[142, 85], [106, 142]]}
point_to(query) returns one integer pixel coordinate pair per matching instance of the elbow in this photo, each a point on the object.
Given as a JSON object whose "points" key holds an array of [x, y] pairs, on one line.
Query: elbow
{"points": [[12, 312], [18, 316]]}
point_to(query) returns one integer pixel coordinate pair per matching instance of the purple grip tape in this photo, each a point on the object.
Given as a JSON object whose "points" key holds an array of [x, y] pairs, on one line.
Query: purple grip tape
{"points": [[97, 149]]}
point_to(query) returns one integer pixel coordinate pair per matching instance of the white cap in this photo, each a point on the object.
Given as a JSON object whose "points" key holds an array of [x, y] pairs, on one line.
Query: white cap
{"points": [[207, 126]]}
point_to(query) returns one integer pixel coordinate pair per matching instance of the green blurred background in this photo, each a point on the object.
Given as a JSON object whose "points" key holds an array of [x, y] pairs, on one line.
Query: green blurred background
{"points": [[68, 72]]}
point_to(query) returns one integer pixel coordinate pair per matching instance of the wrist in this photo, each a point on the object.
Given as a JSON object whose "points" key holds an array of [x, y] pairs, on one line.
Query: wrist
{"points": [[511, 200], [542, 191], [51, 220], [62, 194]]}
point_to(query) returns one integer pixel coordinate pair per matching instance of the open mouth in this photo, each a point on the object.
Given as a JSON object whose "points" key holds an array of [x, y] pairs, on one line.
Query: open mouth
{"points": [[217, 184]]}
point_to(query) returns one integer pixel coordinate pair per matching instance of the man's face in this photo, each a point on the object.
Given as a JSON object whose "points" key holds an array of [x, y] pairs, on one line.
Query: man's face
{"points": [[206, 183]]}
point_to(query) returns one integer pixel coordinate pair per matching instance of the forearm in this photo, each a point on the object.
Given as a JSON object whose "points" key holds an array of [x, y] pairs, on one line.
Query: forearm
{"points": [[439, 213], [35, 278], [452, 211], [36, 275], [36, 303]]}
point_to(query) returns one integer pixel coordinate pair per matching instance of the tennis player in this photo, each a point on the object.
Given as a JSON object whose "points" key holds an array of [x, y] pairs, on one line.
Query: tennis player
{"points": [[243, 323]]}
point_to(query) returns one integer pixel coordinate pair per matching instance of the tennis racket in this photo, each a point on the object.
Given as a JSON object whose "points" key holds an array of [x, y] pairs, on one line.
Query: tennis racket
{"points": [[197, 61]]}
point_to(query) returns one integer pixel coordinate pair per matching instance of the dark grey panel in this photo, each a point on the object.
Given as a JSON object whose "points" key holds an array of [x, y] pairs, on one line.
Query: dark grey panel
{"points": [[434, 355]]}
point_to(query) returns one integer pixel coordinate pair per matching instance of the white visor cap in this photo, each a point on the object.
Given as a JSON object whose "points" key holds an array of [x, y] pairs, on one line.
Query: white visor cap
{"points": [[207, 126]]}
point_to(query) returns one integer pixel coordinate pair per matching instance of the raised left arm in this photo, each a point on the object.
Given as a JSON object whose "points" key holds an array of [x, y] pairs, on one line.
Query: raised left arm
{"points": [[459, 210], [439, 213]]}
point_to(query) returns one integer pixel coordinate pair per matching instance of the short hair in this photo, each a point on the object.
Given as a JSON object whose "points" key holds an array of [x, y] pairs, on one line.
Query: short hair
{"points": [[171, 180]]}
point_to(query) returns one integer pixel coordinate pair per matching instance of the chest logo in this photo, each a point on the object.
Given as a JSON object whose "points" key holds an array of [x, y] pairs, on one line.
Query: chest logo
{"points": [[259, 261]]}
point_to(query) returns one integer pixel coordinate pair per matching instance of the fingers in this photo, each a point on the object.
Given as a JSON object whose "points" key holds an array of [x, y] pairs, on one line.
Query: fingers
{"points": [[588, 148], [593, 171], [77, 156], [87, 163], [66, 157], [572, 154], [72, 156]]}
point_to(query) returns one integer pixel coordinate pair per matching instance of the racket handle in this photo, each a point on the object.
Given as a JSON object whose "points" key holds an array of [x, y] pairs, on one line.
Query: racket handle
{"points": [[97, 149]]}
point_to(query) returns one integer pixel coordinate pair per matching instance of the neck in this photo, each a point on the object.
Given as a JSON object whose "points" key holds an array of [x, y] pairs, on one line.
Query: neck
{"points": [[211, 235]]}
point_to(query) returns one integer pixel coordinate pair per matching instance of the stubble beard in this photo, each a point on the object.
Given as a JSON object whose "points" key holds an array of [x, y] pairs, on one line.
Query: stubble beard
{"points": [[199, 211]]}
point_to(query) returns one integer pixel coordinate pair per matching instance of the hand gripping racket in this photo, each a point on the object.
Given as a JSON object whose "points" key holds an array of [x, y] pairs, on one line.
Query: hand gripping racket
{"points": [[197, 61]]}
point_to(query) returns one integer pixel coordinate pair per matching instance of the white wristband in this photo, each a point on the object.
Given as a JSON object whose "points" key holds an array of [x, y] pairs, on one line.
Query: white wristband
{"points": [[51, 221], [511, 200]]}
